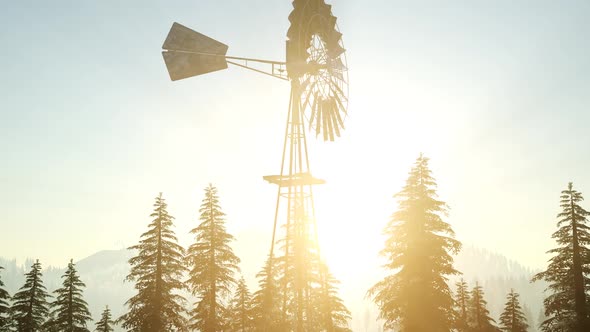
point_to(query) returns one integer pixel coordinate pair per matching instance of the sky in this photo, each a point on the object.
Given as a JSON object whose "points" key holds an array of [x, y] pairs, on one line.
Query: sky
{"points": [[496, 93]]}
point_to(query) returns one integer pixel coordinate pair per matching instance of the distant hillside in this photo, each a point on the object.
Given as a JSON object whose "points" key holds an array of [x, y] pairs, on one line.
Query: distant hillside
{"points": [[497, 274], [105, 271]]}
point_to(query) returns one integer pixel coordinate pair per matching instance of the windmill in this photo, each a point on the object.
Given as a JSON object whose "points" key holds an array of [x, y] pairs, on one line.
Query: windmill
{"points": [[317, 70]]}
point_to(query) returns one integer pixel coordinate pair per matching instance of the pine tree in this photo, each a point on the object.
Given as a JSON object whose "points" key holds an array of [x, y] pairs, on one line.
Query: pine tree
{"points": [[241, 309], [462, 306], [50, 324], [212, 265], [157, 271], [569, 268], [4, 306], [70, 310], [418, 250], [480, 320], [333, 314], [105, 324], [30, 306], [266, 300], [512, 318]]}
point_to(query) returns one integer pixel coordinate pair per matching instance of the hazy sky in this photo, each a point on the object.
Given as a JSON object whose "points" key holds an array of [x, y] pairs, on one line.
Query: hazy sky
{"points": [[496, 93]]}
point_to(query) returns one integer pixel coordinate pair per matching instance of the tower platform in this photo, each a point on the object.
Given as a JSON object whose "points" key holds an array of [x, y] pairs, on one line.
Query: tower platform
{"points": [[297, 179]]}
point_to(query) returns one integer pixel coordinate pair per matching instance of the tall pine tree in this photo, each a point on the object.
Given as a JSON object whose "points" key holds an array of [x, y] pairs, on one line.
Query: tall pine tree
{"points": [[241, 309], [30, 306], [266, 300], [512, 318], [4, 306], [333, 314], [418, 250], [462, 306], [479, 315], [157, 271], [212, 265], [70, 310], [105, 324], [569, 268]]}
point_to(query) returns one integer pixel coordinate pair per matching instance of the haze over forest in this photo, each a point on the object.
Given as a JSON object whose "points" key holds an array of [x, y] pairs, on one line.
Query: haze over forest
{"points": [[103, 272]]}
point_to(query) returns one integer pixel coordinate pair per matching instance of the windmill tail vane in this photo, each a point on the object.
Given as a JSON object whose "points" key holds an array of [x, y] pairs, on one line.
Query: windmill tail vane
{"points": [[188, 53]]}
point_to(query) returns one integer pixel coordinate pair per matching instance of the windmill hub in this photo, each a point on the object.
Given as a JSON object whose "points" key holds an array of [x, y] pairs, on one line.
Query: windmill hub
{"points": [[313, 67]]}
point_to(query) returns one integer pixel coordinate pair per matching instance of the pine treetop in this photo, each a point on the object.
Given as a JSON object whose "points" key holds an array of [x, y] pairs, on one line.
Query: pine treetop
{"points": [[480, 315], [4, 296], [512, 318], [569, 267], [30, 306], [212, 248], [266, 303], [70, 310], [572, 215], [419, 246], [240, 308], [158, 245], [242, 299], [334, 316], [266, 280], [4, 305], [418, 219], [462, 299], [157, 271], [105, 324], [212, 264], [242, 294]]}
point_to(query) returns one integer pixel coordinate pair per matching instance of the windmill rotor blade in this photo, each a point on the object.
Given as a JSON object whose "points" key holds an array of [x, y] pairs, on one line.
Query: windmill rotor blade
{"points": [[318, 122], [339, 103], [338, 74], [336, 89], [183, 65], [307, 97], [338, 117], [334, 38], [314, 113], [335, 114], [331, 22], [325, 121], [305, 82], [327, 10], [336, 129], [328, 117], [338, 64], [336, 51]]}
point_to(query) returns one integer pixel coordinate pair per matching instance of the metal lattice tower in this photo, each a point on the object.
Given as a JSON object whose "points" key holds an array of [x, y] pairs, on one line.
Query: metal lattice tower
{"points": [[316, 69], [298, 246]]}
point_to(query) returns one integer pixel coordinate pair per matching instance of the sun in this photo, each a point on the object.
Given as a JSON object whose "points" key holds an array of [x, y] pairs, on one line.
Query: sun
{"points": [[350, 221]]}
